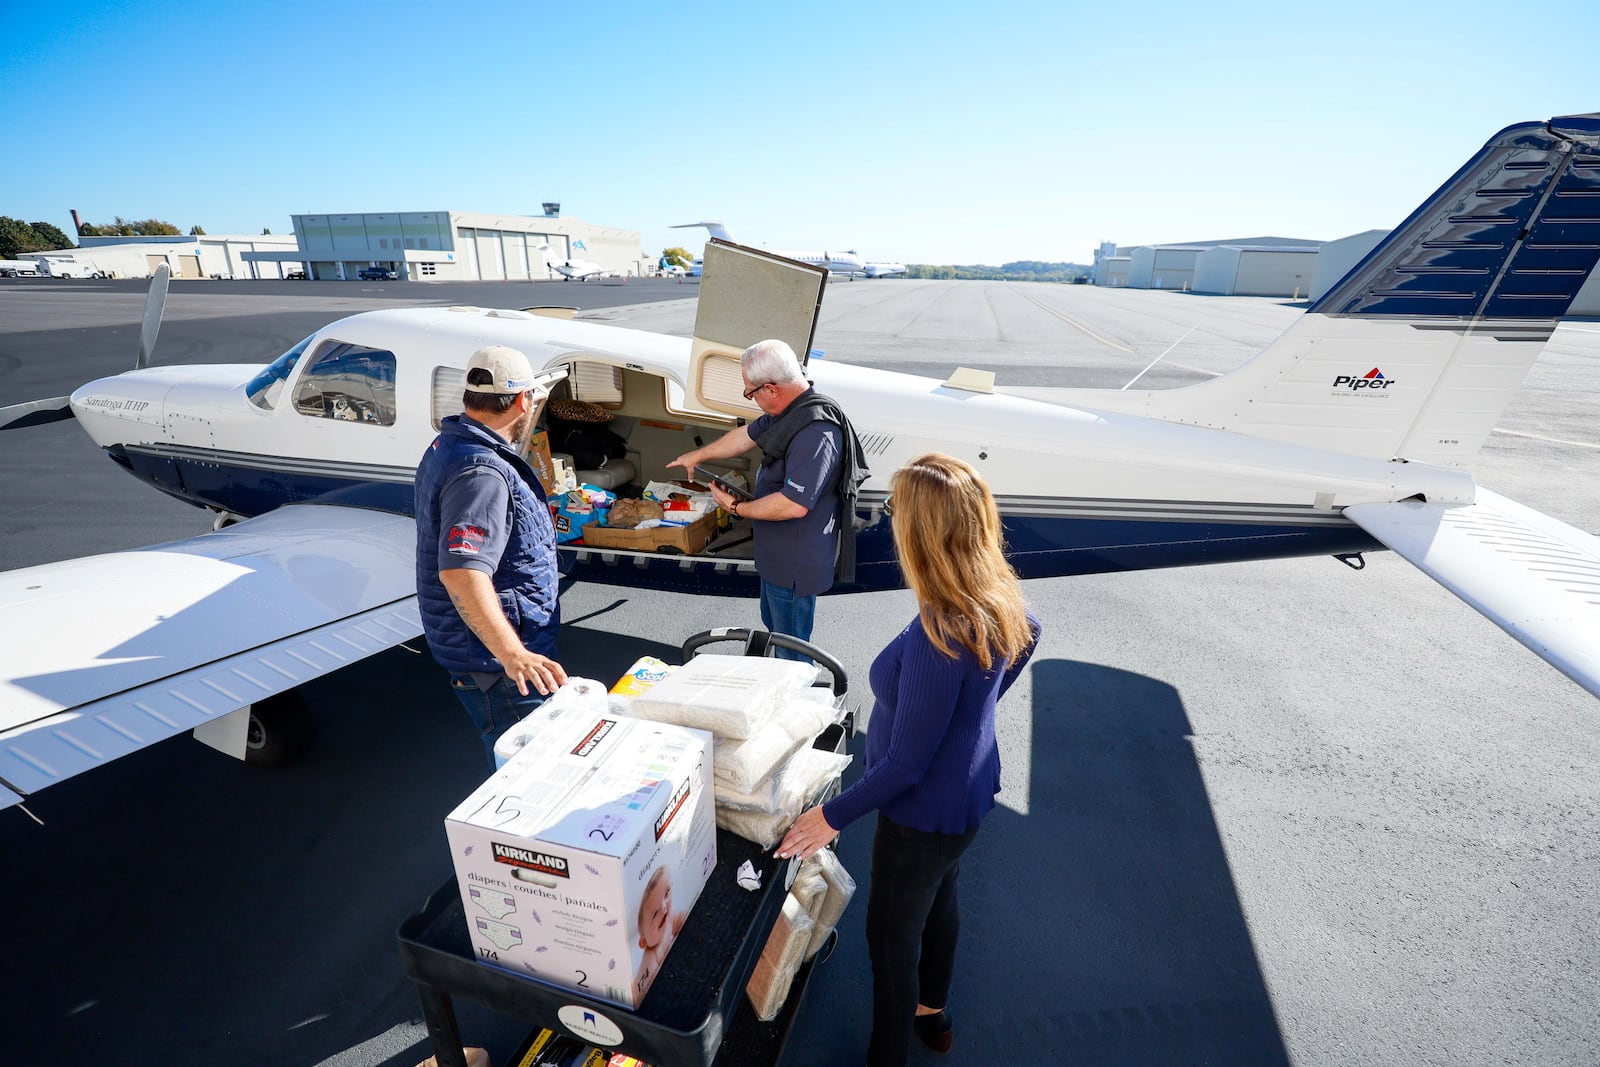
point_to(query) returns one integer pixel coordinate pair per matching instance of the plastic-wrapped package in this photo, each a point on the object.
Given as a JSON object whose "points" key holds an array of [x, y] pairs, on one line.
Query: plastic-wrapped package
{"points": [[577, 696], [790, 788], [809, 887], [774, 972], [764, 828], [741, 765], [731, 696], [841, 887]]}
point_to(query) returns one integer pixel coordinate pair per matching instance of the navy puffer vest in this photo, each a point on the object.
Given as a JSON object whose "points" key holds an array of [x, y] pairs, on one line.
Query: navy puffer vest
{"points": [[526, 579]]}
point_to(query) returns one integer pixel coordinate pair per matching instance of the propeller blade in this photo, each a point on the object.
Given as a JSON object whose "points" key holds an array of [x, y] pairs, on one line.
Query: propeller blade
{"points": [[153, 305], [35, 413]]}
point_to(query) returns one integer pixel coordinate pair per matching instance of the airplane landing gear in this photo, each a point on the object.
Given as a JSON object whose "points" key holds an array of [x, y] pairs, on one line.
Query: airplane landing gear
{"points": [[280, 730]]}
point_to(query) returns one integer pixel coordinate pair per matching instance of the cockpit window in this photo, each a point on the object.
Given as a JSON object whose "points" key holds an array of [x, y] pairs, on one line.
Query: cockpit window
{"points": [[265, 388], [348, 383]]}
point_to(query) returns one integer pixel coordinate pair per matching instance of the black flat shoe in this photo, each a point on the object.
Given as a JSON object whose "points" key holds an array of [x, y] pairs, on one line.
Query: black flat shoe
{"points": [[936, 1030]]}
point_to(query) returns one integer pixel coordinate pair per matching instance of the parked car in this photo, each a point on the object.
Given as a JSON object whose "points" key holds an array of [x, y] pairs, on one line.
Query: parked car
{"points": [[378, 274], [296, 276]]}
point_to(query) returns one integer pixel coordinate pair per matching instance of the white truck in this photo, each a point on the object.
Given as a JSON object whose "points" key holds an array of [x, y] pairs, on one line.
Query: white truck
{"points": [[18, 268], [70, 267]]}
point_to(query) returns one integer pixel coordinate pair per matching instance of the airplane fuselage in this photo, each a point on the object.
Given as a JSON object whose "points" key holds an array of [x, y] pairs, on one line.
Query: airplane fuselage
{"points": [[1081, 491]]}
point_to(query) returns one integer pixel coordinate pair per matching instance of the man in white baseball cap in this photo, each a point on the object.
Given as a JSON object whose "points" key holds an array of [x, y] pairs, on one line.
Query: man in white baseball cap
{"points": [[486, 549]]}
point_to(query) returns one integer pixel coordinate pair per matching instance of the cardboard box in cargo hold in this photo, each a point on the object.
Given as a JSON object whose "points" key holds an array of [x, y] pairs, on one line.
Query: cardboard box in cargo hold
{"points": [[579, 860], [687, 540]]}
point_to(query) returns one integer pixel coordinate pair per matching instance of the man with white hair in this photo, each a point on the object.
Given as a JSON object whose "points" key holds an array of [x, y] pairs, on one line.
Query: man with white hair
{"points": [[805, 487], [486, 549]]}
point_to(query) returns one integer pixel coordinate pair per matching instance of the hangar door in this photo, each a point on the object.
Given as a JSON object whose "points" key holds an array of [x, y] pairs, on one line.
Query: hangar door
{"points": [[189, 266]]}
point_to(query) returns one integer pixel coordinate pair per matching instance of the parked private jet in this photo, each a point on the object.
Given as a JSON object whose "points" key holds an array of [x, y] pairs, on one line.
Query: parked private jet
{"points": [[1345, 435], [573, 270], [847, 263], [884, 270]]}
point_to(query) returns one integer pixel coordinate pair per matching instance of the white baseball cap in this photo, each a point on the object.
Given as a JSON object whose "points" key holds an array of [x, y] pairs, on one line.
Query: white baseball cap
{"points": [[508, 369]]}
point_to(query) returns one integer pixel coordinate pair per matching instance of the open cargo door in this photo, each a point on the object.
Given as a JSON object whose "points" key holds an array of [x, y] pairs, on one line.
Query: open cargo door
{"points": [[747, 295]]}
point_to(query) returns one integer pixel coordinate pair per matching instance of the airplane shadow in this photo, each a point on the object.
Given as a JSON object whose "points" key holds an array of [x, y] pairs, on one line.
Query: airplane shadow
{"points": [[1101, 927]]}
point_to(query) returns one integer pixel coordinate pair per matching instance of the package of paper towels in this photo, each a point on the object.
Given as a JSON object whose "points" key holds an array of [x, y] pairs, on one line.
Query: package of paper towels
{"points": [[578, 696], [732, 696]]}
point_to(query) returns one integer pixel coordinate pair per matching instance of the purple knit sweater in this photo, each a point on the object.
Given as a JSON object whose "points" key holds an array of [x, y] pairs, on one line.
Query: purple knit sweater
{"points": [[932, 763]]}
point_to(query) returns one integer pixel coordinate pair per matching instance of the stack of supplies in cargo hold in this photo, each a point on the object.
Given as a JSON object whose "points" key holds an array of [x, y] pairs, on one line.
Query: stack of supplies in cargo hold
{"points": [[579, 860], [816, 900], [764, 714]]}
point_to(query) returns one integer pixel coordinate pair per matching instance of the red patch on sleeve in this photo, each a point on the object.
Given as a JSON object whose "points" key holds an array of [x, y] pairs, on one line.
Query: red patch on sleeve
{"points": [[467, 540]]}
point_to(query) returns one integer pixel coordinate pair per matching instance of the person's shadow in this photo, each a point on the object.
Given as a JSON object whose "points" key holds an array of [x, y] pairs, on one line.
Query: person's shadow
{"points": [[1103, 926]]}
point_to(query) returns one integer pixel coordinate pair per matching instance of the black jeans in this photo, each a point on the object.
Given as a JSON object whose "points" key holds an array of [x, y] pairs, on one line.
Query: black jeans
{"points": [[912, 927]]}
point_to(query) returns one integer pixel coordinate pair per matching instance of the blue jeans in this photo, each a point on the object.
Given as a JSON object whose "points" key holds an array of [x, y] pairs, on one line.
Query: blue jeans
{"points": [[496, 710], [783, 612], [913, 923]]}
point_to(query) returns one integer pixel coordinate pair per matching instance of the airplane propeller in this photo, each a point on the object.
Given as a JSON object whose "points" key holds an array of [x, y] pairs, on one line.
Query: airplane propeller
{"points": [[59, 409]]}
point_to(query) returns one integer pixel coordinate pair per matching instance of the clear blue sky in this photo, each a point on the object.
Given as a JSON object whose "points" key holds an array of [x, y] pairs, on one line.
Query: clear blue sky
{"points": [[923, 132]]}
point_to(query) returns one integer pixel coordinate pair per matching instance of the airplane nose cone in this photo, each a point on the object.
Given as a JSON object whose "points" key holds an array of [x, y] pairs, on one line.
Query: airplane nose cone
{"points": [[113, 410]]}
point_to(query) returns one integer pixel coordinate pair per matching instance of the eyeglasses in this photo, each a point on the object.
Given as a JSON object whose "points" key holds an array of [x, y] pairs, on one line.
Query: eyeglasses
{"points": [[754, 389], [888, 504]]}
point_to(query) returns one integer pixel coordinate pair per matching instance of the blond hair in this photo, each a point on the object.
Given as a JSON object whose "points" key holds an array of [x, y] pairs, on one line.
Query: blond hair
{"points": [[947, 538]]}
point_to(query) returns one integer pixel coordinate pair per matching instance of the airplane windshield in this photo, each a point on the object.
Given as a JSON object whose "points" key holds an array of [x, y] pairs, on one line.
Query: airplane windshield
{"points": [[265, 388]]}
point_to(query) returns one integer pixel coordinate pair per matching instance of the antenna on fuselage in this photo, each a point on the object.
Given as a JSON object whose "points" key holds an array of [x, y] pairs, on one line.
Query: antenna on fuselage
{"points": [[1163, 355]]}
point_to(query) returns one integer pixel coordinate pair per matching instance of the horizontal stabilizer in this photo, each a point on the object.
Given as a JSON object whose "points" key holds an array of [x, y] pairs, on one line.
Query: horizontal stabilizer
{"points": [[1533, 576]]}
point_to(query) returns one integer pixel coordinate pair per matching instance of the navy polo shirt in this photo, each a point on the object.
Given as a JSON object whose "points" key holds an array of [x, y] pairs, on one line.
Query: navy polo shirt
{"points": [[799, 554]]}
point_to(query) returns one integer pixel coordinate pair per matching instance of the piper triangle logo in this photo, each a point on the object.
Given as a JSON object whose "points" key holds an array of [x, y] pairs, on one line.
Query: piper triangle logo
{"points": [[580, 246], [1373, 379]]}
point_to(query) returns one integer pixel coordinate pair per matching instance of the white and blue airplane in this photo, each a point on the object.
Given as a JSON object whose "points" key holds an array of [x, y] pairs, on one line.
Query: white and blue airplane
{"points": [[884, 270], [1347, 434], [573, 270], [845, 263]]}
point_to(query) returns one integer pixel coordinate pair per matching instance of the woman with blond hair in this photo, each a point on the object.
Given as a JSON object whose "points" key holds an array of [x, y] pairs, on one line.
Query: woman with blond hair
{"points": [[932, 764]]}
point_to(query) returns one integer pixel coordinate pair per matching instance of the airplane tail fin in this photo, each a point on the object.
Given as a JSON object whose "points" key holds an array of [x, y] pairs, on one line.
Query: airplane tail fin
{"points": [[713, 227], [1415, 353]]}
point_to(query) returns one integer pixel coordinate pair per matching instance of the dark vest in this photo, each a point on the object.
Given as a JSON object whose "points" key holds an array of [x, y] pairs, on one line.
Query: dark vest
{"points": [[526, 579], [807, 408]]}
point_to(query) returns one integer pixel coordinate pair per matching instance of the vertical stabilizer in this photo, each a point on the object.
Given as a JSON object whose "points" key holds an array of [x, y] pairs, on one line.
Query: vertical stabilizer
{"points": [[1416, 351]]}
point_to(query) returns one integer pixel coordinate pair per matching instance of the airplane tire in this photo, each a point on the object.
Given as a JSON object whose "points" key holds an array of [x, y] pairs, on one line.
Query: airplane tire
{"points": [[281, 730]]}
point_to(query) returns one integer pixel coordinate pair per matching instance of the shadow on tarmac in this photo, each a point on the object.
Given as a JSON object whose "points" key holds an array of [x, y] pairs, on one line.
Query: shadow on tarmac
{"points": [[1102, 927]]}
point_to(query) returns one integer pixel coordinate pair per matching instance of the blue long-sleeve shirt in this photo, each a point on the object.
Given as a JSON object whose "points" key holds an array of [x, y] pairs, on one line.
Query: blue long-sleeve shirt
{"points": [[932, 762]]}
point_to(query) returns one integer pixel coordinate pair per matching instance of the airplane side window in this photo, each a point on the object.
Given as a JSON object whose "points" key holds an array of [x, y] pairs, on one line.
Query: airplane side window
{"points": [[448, 385], [348, 383], [265, 388]]}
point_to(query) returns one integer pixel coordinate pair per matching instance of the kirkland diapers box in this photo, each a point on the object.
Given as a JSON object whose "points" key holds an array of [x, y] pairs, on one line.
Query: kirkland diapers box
{"points": [[579, 859]]}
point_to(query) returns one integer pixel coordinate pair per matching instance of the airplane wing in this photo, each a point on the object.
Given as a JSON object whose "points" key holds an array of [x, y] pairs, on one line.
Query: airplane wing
{"points": [[102, 656], [1534, 576]]}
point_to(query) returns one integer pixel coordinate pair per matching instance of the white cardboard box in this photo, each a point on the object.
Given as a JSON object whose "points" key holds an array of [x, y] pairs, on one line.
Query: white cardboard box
{"points": [[580, 858]]}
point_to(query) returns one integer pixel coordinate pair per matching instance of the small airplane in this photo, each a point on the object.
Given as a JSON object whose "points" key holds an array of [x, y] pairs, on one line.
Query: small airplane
{"points": [[842, 263], [668, 268], [884, 270], [1346, 434], [573, 270]]}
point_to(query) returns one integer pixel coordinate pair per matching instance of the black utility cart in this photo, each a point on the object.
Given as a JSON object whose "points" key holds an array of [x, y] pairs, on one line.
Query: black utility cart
{"points": [[696, 1013]]}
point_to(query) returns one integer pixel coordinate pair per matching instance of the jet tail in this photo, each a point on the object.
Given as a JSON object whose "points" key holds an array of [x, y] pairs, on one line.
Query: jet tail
{"points": [[1415, 353], [713, 227]]}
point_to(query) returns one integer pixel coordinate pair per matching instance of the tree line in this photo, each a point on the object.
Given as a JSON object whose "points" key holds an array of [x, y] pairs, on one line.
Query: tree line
{"points": [[19, 238], [1021, 270]]}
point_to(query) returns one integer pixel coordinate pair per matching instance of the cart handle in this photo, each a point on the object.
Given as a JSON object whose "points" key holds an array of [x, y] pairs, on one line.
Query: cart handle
{"points": [[763, 642]]}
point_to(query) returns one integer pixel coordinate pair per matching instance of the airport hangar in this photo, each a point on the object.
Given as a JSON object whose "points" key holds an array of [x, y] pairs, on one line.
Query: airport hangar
{"points": [[455, 245], [1253, 266], [194, 256]]}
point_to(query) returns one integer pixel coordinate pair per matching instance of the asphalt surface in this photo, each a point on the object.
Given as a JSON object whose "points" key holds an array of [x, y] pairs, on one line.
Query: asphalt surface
{"points": [[1252, 814]]}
